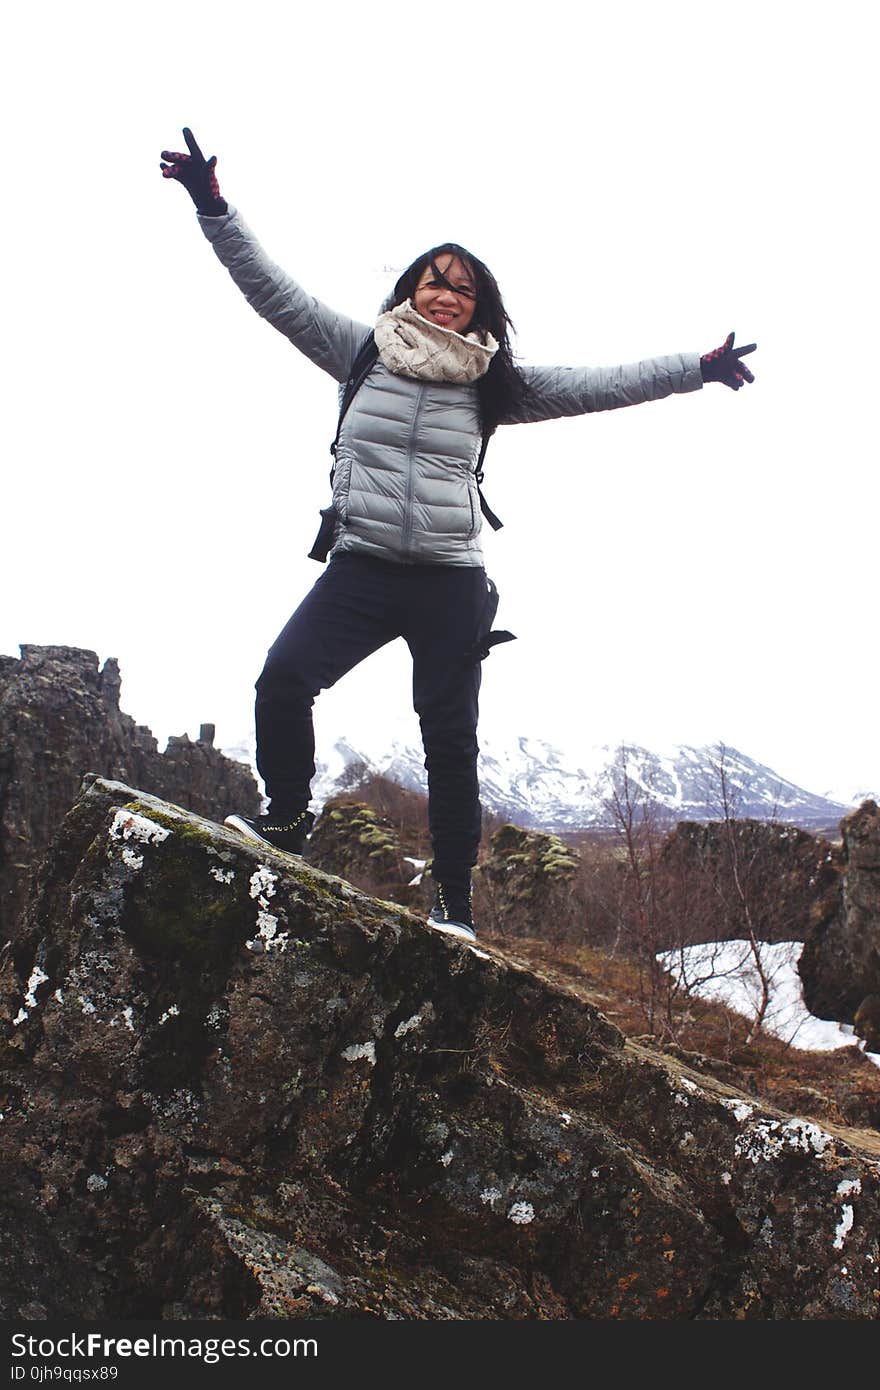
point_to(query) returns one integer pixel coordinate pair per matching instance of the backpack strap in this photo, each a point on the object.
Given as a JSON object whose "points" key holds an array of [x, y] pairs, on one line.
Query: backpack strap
{"points": [[365, 358], [487, 511]]}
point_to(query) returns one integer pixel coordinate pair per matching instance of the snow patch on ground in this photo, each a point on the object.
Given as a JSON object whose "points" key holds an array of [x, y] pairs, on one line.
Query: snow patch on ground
{"points": [[725, 971]]}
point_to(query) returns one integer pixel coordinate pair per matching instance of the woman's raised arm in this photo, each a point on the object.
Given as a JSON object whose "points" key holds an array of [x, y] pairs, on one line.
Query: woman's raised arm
{"points": [[329, 339], [557, 391]]}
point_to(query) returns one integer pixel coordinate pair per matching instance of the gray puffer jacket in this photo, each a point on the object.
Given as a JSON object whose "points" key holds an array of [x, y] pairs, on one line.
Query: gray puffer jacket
{"points": [[405, 488]]}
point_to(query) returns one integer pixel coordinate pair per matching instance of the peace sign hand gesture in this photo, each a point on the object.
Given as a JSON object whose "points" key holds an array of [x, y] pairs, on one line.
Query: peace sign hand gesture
{"points": [[723, 364], [197, 176]]}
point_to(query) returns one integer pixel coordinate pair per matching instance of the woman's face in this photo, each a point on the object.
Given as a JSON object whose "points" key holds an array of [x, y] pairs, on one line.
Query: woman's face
{"points": [[448, 308]]}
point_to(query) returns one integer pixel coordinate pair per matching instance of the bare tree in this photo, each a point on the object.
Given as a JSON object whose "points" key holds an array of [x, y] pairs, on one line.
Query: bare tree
{"points": [[682, 901], [741, 876], [640, 920]]}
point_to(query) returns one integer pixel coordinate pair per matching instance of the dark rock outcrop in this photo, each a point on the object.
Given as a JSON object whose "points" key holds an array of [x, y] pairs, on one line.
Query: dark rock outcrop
{"points": [[840, 962], [524, 886], [721, 880], [234, 1087], [352, 839], [59, 719]]}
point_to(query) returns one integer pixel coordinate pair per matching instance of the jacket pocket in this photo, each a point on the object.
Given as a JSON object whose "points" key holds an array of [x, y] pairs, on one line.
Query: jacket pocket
{"points": [[474, 518], [342, 487]]}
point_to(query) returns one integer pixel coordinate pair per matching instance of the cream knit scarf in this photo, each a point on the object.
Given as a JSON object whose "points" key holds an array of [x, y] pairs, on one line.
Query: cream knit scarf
{"points": [[412, 346]]}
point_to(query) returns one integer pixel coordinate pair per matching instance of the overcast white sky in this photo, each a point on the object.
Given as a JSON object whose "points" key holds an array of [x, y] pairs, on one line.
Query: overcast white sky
{"points": [[641, 178]]}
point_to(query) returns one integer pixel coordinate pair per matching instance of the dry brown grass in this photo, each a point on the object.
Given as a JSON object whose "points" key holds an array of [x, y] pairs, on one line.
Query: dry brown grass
{"points": [[840, 1087]]}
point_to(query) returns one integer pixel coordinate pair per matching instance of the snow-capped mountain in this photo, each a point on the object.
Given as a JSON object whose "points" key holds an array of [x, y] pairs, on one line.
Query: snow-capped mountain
{"points": [[541, 787]]}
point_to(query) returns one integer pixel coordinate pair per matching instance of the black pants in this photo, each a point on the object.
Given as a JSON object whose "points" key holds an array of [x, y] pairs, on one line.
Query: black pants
{"points": [[357, 606]]}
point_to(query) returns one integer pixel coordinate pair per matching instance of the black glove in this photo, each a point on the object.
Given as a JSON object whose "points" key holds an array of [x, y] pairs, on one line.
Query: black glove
{"points": [[724, 365], [197, 176]]}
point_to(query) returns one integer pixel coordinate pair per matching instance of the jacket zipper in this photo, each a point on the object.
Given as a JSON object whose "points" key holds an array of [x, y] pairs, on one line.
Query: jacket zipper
{"points": [[406, 540]]}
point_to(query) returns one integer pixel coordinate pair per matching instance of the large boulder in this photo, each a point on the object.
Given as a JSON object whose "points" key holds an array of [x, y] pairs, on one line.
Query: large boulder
{"points": [[354, 840], [840, 962], [724, 880], [527, 886], [236, 1087], [59, 719]]}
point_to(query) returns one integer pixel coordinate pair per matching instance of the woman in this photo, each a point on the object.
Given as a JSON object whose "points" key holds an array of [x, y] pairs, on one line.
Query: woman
{"points": [[405, 556]]}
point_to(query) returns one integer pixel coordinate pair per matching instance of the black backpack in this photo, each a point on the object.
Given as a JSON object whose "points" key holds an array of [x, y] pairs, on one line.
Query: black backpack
{"points": [[361, 367]]}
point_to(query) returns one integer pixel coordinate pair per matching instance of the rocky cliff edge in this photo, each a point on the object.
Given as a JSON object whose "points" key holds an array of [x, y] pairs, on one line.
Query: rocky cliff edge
{"points": [[59, 719], [236, 1087]]}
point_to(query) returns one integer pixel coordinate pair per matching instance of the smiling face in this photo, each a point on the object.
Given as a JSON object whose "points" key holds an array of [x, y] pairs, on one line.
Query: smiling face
{"points": [[448, 308]]}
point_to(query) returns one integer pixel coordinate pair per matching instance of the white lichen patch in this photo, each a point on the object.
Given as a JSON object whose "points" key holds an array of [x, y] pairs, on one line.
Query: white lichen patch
{"points": [[96, 1183], [565, 1117], [844, 1226], [447, 1158], [681, 1100], [356, 1051], [521, 1213], [848, 1186], [403, 1028], [740, 1109], [268, 937], [19, 1017], [222, 875], [490, 1195], [688, 1085], [128, 1016], [129, 825], [767, 1139], [37, 977], [87, 1006], [262, 885], [171, 1012], [725, 1178], [132, 858], [424, 1013]]}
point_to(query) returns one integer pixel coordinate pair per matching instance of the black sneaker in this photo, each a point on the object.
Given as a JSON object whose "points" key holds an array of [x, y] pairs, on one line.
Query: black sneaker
{"points": [[452, 912], [282, 832]]}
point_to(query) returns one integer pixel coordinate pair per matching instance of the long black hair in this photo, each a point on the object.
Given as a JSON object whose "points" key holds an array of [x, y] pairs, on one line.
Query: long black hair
{"points": [[502, 387]]}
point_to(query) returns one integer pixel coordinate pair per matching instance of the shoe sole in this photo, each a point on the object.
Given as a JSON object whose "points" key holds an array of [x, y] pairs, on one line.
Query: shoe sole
{"points": [[236, 823], [453, 929]]}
